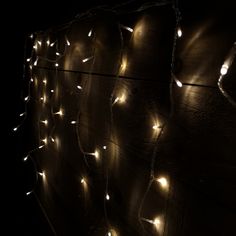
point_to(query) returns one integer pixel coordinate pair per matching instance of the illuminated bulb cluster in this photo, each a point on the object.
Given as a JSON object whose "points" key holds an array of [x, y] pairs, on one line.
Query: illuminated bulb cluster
{"points": [[82, 181]]}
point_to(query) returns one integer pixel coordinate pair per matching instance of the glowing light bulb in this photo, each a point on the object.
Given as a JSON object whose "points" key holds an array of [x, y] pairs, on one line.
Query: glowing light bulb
{"points": [[52, 139], [73, 122], [45, 140], [28, 193], [41, 146], [224, 69], [109, 234], [26, 98], [156, 221], [127, 28], [35, 47], [48, 42], [163, 182], [82, 181], [104, 147], [52, 44], [52, 91], [28, 59], [87, 59], [44, 121], [122, 99], [31, 36], [56, 64], [22, 114], [179, 33], [67, 41], [116, 100], [39, 42], [79, 87], [45, 81], [155, 127], [90, 33], [31, 80], [107, 197], [57, 53], [60, 112], [179, 83], [41, 174], [25, 158], [96, 154], [36, 61], [15, 129]]}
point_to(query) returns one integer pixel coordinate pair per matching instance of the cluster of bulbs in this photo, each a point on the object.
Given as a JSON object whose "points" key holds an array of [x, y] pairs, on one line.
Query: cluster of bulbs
{"points": [[163, 181]]}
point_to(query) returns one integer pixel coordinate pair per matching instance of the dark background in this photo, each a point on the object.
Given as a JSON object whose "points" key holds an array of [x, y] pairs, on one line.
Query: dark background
{"points": [[23, 214]]}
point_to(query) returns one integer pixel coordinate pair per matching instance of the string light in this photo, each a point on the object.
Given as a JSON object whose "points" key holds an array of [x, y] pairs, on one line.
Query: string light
{"points": [[56, 64], [22, 114], [52, 91], [82, 181], [31, 36], [41, 174], [52, 44], [45, 81], [41, 146], [109, 234], [48, 42], [45, 140], [28, 59], [155, 127], [79, 87], [15, 129], [57, 53], [104, 147], [26, 98], [39, 42], [73, 122], [36, 61], [52, 139]]}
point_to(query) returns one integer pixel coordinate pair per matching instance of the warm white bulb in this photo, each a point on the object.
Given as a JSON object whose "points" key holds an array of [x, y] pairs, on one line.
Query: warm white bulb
{"points": [[107, 197], [45, 122], [41, 174], [104, 147], [28, 193], [57, 53], [26, 98], [45, 81], [155, 127], [59, 112], [56, 64], [127, 28], [79, 87], [224, 69], [41, 146], [163, 182], [179, 83], [73, 122], [35, 47], [82, 181], [28, 59], [39, 42], [52, 91], [90, 33], [96, 154], [45, 140], [179, 33], [52, 44], [48, 42], [31, 36], [31, 80], [67, 41], [52, 139], [109, 234], [36, 62], [25, 158], [15, 129], [87, 59], [22, 114]]}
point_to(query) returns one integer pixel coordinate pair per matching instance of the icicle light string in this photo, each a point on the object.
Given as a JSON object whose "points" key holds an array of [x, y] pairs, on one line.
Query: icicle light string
{"points": [[118, 79]]}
